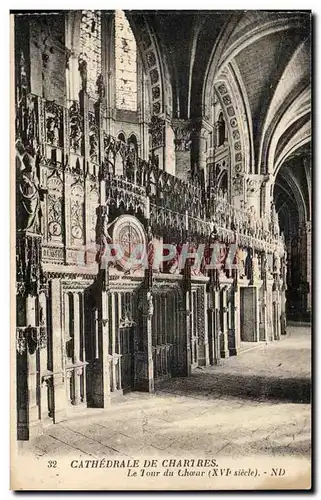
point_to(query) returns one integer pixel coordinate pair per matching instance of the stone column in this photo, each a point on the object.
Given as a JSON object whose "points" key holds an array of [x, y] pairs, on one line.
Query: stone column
{"points": [[265, 195], [35, 427], [224, 334], [237, 317], [264, 314], [104, 350], [76, 301], [212, 328], [119, 365], [113, 340], [182, 147], [45, 378], [144, 365], [186, 336], [157, 132], [254, 194], [276, 314], [203, 351], [234, 330], [170, 160], [309, 266], [60, 399]]}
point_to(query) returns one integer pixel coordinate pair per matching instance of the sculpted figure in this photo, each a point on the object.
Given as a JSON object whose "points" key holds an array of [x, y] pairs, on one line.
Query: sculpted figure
{"points": [[82, 68], [150, 305], [249, 264], [29, 197]]}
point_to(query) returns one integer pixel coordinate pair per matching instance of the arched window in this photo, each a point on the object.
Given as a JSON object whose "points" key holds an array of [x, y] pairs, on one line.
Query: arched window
{"points": [[121, 137], [223, 181], [132, 142], [125, 64], [90, 50], [220, 130]]}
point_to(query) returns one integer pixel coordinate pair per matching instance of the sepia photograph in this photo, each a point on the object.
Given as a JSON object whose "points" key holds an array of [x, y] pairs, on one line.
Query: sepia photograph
{"points": [[161, 250]]}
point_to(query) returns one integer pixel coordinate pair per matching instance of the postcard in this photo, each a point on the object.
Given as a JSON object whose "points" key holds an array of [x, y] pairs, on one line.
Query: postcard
{"points": [[161, 250]]}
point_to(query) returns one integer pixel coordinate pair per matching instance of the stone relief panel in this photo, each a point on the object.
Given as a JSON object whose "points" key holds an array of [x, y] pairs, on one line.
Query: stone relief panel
{"points": [[237, 155], [93, 138], [54, 124], [54, 208], [77, 214], [93, 200], [157, 132], [75, 128], [90, 51]]}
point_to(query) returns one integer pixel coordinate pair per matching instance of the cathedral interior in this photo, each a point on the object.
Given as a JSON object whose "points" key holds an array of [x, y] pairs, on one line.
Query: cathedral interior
{"points": [[167, 129]]}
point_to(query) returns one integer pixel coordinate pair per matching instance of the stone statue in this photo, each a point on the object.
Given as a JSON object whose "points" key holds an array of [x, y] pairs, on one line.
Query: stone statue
{"points": [[29, 193], [249, 265], [150, 305], [105, 238], [100, 87], [274, 220], [276, 262], [82, 68], [256, 268]]}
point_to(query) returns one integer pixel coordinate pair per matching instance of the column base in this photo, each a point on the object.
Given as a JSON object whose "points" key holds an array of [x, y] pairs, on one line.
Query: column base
{"points": [[145, 386], [60, 399], [35, 429], [224, 346], [26, 432], [116, 395], [203, 355], [100, 401]]}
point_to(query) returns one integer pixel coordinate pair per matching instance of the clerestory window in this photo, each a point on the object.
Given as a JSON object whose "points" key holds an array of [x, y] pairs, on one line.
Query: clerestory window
{"points": [[90, 49], [125, 64]]}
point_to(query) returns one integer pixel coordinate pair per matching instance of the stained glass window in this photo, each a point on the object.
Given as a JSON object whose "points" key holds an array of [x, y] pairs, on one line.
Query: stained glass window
{"points": [[126, 64], [90, 47]]}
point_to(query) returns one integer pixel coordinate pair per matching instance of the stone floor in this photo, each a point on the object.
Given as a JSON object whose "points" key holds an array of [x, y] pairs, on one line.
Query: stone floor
{"points": [[253, 404]]}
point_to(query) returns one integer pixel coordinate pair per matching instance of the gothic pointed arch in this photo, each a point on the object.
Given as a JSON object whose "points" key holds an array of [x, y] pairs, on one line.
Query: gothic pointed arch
{"points": [[290, 104], [227, 89], [158, 76]]}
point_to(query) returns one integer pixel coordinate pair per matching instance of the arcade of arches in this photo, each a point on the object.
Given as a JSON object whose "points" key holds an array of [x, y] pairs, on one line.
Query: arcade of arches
{"points": [[169, 128]]}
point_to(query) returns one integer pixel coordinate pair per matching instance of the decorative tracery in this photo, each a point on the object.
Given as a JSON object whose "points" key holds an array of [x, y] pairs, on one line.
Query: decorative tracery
{"points": [[90, 50], [125, 64]]}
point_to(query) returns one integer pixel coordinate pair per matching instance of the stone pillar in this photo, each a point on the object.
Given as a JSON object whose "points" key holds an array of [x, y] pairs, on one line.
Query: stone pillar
{"points": [[203, 348], [266, 196], [113, 341], [144, 366], [309, 266], [35, 426], [264, 316], [211, 334], [224, 333], [45, 374], [76, 347], [237, 319], [170, 160], [182, 142], [283, 311], [213, 328], [60, 399], [276, 314], [250, 314], [157, 132], [104, 352], [119, 315], [186, 338], [253, 193], [234, 330]]}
